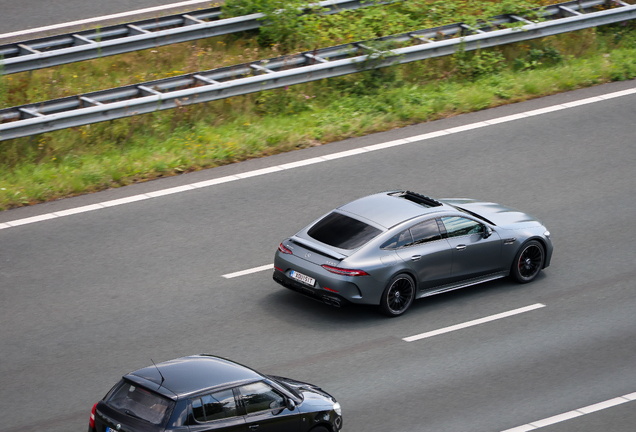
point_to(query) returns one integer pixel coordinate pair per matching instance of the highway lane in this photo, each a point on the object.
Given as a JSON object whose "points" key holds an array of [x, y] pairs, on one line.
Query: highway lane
{"points": [[89, 297], [19, 15]]}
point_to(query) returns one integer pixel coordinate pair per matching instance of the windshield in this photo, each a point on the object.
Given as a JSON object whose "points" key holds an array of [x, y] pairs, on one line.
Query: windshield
{"points": [[283, 383], [140, 403], [342, 231], [472, 214]]}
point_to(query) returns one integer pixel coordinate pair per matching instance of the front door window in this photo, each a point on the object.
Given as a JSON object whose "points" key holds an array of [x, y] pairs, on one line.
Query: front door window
{"points": [[267, 410], [474, 255]]}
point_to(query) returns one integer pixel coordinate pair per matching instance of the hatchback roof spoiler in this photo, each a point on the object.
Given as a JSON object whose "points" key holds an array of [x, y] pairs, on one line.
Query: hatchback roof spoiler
{"points": [[318, 248]]}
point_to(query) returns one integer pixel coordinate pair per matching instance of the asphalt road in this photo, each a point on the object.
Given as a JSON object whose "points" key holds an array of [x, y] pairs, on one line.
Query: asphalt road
{"points": [[87, 298], [18, 15]]}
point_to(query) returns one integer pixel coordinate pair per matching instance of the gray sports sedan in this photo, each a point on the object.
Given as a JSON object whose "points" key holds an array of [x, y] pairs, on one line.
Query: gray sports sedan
{"points": [[391, 248]]}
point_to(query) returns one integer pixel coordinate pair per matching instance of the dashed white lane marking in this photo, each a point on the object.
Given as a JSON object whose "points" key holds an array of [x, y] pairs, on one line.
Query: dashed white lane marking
{"points": [[574, 413], [97, 20], [473, 323], [314, 160], [248, 271]]}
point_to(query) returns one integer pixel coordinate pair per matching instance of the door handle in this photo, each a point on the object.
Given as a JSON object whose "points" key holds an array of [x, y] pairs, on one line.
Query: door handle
{"points": [[416, 257], [254, 427], [460, 247]]}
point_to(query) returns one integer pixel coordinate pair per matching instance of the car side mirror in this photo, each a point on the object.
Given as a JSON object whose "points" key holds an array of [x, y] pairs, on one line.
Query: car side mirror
{"points": [[291, 405], [487, 231]]}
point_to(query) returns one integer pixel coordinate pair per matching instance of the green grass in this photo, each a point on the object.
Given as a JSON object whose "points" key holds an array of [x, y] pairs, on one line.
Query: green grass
{"points": [[121, 152], [172, 60]]}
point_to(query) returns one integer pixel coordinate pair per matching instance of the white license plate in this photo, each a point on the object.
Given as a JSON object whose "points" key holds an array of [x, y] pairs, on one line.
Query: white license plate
{"points": [[301, 277]]}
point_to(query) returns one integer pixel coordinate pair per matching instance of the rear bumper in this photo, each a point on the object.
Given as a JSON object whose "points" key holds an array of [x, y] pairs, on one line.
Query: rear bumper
{"points": [[353, 289], [327, 297]]}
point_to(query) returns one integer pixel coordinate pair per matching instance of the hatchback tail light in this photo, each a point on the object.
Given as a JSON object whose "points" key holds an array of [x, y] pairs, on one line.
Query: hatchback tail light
{"points": [[284, 250], [344, 272], [91, 421]]}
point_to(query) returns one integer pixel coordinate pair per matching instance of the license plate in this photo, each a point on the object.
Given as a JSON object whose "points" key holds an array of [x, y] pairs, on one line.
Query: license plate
{"points": [[301, 277]]}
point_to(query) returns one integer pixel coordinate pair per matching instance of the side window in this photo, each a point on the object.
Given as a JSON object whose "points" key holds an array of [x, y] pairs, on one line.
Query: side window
{"points": [[197, 410], [425, 232], [214, 406], [260, 397], [459, 226], [398, 241]]}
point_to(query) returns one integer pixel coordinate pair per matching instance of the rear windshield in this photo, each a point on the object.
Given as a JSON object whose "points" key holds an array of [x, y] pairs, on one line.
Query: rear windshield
{"points": [[140, 403], [342, 231]]}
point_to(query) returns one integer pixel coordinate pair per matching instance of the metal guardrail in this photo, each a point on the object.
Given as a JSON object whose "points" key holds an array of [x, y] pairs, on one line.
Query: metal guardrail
{"points": [[305, 67], [149, 33]]}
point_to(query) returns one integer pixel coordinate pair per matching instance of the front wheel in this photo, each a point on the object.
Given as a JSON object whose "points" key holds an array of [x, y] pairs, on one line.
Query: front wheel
{"points": [[528, 262], [398, 295]]}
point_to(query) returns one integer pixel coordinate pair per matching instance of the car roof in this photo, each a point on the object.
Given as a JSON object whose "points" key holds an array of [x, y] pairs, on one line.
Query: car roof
{"points": [[391, 208], [187, 375]]}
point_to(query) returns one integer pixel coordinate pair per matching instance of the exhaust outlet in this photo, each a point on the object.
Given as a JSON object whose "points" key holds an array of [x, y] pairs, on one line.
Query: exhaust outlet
{"points": [[331, 301]]}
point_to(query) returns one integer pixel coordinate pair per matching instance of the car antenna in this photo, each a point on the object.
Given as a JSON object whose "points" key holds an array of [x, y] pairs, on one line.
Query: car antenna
{"points": [[162, 378]]}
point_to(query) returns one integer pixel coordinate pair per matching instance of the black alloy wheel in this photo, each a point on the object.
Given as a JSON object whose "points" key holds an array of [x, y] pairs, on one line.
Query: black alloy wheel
{"points": [[528, 262], [398, 295]]}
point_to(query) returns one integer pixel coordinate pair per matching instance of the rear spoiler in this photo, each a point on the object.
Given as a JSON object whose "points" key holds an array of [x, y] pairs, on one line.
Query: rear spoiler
{"points": [[318, 248], [151, 385]]}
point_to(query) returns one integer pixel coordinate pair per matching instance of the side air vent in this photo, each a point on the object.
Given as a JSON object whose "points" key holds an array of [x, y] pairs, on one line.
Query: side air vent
{"points": [[420, 199]]}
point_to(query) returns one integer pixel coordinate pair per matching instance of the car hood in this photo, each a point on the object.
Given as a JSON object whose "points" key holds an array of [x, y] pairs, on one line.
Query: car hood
{"points": [[312, 395], [500, 215]]}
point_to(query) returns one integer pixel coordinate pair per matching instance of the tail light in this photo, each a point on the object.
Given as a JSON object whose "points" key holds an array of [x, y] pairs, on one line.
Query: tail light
{"points": [[284, 250], [344, 272], [91, 421]]}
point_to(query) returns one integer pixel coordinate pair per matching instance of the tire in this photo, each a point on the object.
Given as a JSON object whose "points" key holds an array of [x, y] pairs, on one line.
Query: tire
{"points": [[319, 429], [398, 295], [528, 262]]}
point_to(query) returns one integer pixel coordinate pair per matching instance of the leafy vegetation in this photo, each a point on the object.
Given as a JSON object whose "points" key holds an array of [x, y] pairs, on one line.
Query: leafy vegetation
{"points": [[116, 153]]}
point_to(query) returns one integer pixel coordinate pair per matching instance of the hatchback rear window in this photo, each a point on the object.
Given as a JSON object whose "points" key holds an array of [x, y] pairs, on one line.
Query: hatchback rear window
{"points": [[342, 231], [140, 403]]}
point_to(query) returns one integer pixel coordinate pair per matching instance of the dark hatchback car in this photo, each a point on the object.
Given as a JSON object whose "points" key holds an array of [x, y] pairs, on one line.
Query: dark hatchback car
{"points": [[206, 393]]}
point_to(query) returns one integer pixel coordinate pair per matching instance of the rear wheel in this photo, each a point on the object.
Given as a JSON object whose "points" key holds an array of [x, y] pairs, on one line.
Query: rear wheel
{"points": [[398, 295], [319, 429], [528, 262]]}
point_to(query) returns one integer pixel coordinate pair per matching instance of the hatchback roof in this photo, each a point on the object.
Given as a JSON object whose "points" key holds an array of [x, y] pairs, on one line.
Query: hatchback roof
{"points": [[390, 208], [190, 374]]}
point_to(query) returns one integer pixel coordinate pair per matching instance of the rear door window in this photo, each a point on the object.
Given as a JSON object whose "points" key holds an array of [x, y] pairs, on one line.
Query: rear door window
{"points": [[398, 241], [138, 402], [215, 406], [421, 233], [425, 232], [342, 231]]}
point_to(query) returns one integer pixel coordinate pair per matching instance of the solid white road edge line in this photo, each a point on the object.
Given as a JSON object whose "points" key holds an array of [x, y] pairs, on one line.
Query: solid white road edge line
{"points": [[248, 271], [473, 323], [574, 413], [325, 158], [103, 18]]}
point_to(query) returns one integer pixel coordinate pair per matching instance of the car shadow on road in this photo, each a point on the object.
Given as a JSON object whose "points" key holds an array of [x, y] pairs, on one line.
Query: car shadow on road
{"points": [[303, 311]]}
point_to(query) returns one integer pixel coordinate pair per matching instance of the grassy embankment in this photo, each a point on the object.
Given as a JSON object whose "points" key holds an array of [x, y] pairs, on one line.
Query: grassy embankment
{"points": [[120, 152]]}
